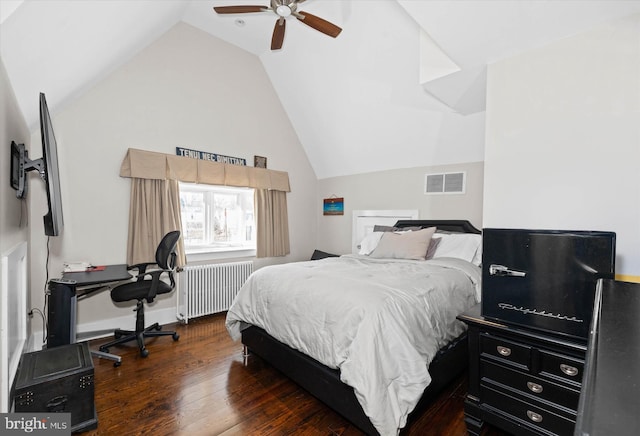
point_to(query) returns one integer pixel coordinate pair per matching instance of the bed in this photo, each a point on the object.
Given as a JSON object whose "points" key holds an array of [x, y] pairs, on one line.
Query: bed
{"points": [[390, 342]]}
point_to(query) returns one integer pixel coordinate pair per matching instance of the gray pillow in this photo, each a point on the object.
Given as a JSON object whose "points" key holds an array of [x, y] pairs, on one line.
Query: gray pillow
{"points": [[433, 245], [379, 228]]}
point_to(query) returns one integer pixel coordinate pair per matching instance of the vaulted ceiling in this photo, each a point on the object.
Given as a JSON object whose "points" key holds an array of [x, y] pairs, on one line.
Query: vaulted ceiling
{"points": [[403, 85]]}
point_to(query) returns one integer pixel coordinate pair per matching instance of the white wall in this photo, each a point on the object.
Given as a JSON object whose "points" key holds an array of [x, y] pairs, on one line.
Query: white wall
{"points": [[13, 232], [563, 138], [187, 89], [395, 189], [13, 216]]}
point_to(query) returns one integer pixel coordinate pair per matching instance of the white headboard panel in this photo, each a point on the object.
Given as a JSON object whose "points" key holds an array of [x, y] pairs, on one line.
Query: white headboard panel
{"points": [[365, 220]]}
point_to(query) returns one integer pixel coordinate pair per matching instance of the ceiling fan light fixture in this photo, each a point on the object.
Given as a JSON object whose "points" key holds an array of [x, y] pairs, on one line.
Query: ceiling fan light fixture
{"points": [[283, 11]]}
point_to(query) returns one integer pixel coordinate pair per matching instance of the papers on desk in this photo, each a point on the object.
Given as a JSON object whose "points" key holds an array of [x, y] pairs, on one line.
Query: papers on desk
{"points": [[77, 266]]}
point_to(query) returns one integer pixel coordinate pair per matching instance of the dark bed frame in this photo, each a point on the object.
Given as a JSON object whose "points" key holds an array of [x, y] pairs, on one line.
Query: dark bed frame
{"points": [[324, 383]]}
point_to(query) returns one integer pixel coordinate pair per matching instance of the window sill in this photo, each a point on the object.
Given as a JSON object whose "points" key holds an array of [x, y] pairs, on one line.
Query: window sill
{"points": [[205, 254]]}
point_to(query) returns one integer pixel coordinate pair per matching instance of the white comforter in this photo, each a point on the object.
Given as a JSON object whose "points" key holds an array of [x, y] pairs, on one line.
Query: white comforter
{"points": [[379, 321]]}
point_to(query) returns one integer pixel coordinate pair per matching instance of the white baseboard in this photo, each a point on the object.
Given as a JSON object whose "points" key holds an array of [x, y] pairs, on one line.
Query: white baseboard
{"points": [[104, 328]]}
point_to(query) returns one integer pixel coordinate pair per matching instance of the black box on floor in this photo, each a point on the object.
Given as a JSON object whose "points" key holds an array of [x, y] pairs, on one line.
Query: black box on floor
{"points": [[58, 379]]}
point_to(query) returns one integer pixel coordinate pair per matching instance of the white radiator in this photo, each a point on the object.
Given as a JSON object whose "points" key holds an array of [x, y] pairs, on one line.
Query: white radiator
{"points": [[207, 289]]}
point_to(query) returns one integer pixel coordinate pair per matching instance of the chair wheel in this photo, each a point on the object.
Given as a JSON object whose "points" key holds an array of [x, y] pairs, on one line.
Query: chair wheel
{"points": [[175, 336], [144, 352], [104, 350], [117, 364], [158, 327], [117, 335]]}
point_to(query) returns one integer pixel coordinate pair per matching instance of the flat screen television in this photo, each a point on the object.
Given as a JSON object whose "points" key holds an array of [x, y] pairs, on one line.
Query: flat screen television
{"points": [[53, 220], [47, 167]]}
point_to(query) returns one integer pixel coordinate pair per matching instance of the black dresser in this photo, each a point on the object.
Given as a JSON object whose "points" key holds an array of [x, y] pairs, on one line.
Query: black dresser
{"points": [[523, 381], [610, 399]]}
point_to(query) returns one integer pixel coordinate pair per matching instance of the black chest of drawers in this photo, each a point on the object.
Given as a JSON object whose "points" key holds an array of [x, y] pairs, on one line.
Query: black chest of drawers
{"points": [[522, 381]]}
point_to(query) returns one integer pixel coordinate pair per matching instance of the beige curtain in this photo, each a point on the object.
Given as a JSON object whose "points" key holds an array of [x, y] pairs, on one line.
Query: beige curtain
{"points": [[154, 211], [155, 200], [272, 223]]}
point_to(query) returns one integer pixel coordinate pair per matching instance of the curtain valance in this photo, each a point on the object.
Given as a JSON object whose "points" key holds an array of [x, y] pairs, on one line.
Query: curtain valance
{"points": [[160, 166]]}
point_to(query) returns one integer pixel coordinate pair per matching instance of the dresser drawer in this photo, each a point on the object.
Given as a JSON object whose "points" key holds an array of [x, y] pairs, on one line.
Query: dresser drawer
{"points": [[538, 418], [506, 351], [533, 387], [561, 367]]}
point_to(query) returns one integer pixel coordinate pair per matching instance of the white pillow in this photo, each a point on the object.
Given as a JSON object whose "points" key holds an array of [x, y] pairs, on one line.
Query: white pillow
{"points": [[407, 245], [463, 246], [477, 259], [369, 243]]}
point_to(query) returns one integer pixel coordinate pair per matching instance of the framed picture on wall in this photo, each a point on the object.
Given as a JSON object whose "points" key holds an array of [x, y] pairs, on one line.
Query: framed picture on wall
{"points": [[333, 206], [259, 161]]}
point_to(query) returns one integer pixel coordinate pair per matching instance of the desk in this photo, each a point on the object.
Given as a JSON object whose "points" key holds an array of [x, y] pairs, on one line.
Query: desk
{"points": [[110, 273], [63, 296]]}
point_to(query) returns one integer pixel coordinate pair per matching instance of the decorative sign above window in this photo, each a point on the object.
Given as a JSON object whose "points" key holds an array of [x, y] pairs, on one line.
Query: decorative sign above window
{"points": [[213, 157]]}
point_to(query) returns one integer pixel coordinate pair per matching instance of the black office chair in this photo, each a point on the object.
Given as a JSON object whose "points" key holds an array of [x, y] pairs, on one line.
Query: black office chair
{"points": [[147, 285]]}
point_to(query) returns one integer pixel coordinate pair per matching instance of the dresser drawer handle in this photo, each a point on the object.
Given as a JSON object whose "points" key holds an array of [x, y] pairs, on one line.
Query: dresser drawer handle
{"points": [[534, 387], [504, 351], [535, 417], [571, 371]]}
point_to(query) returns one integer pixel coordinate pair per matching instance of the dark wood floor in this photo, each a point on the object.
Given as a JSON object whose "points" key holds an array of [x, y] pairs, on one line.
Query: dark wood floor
{"points": [[199, 386]]}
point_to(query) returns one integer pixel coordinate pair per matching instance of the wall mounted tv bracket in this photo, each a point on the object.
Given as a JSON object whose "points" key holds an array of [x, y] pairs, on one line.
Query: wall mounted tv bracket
{"points": [[20, 166]]}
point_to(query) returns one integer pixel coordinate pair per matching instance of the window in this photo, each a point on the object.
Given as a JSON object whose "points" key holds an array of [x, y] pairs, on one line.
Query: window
{"points": [[217, 218]]}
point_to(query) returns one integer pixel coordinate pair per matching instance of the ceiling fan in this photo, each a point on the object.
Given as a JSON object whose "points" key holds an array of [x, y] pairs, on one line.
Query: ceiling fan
{"points": [[284, 9]]}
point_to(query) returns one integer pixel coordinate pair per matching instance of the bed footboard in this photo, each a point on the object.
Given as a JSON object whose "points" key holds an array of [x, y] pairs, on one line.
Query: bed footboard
{"points": [[324, 383]]}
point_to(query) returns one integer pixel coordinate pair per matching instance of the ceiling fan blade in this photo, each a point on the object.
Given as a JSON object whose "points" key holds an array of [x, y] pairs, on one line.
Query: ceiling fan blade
{"points": [[239, 9], [278, 34], [318, 23]]}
